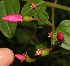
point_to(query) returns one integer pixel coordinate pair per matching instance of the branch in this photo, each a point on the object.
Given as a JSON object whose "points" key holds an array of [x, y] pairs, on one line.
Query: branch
{"points": [[57, 6]]}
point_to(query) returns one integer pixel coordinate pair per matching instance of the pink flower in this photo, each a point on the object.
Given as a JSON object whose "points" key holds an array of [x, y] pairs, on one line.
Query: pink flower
{"points": [[20, 57], [13, 18]]}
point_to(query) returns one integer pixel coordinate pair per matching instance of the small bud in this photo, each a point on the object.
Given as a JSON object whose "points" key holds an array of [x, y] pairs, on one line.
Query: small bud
{"points": [[33, 5], [13, 18], [60, 37], [20, 57]]}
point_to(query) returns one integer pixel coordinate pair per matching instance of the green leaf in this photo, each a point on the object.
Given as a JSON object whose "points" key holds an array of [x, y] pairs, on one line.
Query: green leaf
{"points": [[8, 7], [28, 11], [65, 28], [36, 1], [44, 18]]}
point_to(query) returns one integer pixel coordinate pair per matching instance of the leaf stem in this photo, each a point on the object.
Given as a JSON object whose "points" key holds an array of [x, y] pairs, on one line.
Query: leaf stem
{"points": [[57, 6]]}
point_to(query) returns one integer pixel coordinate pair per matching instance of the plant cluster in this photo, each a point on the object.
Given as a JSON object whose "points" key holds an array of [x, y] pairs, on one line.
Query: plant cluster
{"points": [[31, 29]]}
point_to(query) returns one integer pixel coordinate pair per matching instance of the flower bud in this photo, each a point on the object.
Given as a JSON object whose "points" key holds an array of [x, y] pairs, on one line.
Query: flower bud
{"points": [[33, 5], [60, 37], [13, 18], [20, 57]]}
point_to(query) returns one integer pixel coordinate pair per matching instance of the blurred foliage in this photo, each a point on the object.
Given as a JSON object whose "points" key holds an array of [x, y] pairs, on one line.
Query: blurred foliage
{"points": [[28, 35]]}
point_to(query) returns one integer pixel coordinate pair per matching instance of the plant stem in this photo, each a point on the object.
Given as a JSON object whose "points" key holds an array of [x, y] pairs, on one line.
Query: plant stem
{"points": [[53, 18], [57, 6], [55, 1], [53, 26]]}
